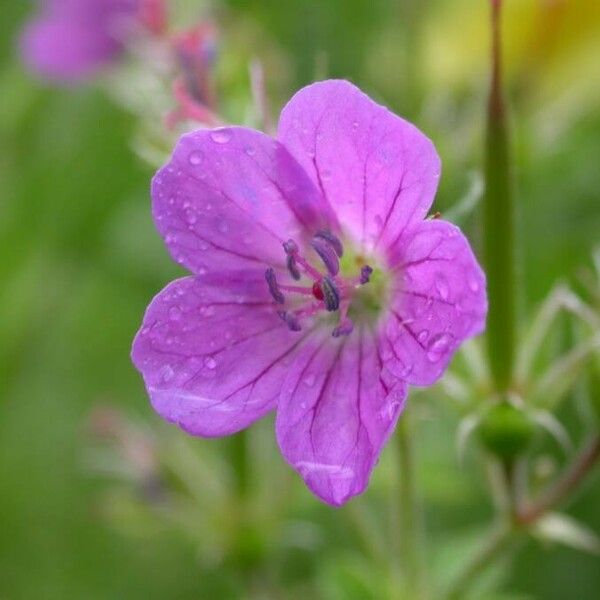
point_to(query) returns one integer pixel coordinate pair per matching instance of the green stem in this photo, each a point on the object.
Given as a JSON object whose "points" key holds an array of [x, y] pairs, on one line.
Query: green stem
{"points": [[241, 463], [519, 520], [499, 224], [410, 517], [499, 541], [565, 485]]}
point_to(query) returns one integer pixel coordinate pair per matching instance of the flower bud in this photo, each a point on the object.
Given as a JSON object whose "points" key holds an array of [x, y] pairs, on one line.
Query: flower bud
{"points": [[506, 430]]}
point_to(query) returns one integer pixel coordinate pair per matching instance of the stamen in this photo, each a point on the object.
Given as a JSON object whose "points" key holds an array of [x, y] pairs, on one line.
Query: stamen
{"points": [[290, 319], [292, 267], [290, 247], [344, 328], [294, 259], [365, 274], [274, 286], [333, 240], [331, 296], [327, 253]]}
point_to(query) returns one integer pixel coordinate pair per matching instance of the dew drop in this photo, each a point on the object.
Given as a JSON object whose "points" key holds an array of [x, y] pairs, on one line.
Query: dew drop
{"points": [[441, 285], [166, 373], [423, 335], [210, 363], [309, 380], [438, 346], [190, 216], [220, 136], [195, 158], [250, 151], [355, 125], [175, 313], [473, 283]]}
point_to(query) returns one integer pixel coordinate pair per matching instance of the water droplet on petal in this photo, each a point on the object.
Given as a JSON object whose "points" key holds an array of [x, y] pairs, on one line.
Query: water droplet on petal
{"points": [[190, 216], [473, 283], [195, 158], [166, 373], [220, 136], [439, 346], [441, 285], [355, 125], [309, 380], [423, 335], [175, 313], [210, 363], [250, 151]]}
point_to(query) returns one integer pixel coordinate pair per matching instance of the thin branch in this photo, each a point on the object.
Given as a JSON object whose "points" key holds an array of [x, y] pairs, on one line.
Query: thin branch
{"points": [[565, 485]]}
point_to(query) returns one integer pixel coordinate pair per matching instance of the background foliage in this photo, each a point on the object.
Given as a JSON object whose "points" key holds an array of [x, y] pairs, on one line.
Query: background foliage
{"points": [[79, 260]]}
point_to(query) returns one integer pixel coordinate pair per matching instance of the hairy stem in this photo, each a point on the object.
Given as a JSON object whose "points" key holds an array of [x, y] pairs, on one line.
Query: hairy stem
{"points": [[499, 224]]}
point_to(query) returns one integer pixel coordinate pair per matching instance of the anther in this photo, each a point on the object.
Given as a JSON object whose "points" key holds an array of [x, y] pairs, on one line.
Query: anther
{"points": [[290, 319], [331, 296], [333, 240], [290, 247], [365, 274], [274, 286], [344, 328], [292, 267], [327, 253]]}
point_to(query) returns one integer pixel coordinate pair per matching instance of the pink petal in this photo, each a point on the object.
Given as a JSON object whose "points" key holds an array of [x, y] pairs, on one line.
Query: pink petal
{"points": [[228, 199], [336, 412], [378, 172], [439, 301], [213, 352]]}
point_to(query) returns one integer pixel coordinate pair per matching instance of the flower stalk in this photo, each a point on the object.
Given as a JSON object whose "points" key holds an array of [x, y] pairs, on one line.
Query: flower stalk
{"points": [[499, 223], [410, 517]]}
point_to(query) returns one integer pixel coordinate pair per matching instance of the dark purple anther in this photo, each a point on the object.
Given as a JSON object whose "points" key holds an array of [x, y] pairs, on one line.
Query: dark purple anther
{"points": [[327, 253], [333, 240], [292, 267], [331, 296], [290, 319], [344, 328], [274, 286], [365, 274], [290, 247]]}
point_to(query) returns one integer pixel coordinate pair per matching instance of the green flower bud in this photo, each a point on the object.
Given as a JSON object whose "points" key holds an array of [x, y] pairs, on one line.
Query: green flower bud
{"points": [[506, 430]]}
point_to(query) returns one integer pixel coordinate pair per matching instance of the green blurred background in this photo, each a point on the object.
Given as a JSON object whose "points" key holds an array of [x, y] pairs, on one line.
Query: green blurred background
{"points": [[79, 261]]}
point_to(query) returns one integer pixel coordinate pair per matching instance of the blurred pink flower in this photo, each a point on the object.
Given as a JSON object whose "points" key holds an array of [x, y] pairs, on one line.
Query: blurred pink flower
{"points": [[70, 40]]}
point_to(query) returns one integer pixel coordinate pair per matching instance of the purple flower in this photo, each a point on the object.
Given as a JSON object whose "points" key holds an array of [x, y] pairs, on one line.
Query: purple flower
{"points": [[319, 289], [71, 40]]}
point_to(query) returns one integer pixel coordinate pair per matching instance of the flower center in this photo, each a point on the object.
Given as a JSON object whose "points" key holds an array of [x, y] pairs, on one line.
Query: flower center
{"points": [[336, 286]]}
